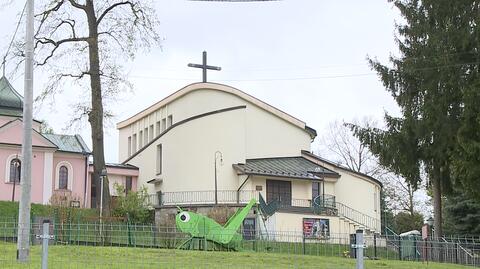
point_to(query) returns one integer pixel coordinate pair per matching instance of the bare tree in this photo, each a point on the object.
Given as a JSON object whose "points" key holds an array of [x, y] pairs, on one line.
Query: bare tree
{"points": [[339, 145], [85, 43]]}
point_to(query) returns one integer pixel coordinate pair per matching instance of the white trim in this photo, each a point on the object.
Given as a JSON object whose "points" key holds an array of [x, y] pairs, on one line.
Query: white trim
{"points": [[7, 165], [47, 177], [70, 174]]}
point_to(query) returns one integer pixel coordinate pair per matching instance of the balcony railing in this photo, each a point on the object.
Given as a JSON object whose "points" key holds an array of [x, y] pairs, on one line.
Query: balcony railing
{"points": [[202, 198], [232, 197]]}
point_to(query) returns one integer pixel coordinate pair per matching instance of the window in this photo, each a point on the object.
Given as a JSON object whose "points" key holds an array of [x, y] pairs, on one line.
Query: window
{"points": [[316, 190], [128, 184], [164, 124], [281, 191], [151, 132], [157, 127], [63, 178], [169, 121], [159, 159], [145, 138], [140, 140], [15, 169], [375, 200], [134, 143], [129, 145]]}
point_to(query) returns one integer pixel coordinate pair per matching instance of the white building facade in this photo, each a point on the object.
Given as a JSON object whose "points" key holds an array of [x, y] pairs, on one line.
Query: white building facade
{"points": [[209, 144]]}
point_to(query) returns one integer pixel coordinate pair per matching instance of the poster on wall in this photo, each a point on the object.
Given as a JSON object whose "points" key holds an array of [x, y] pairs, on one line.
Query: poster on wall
{"points": [[316, 228]]}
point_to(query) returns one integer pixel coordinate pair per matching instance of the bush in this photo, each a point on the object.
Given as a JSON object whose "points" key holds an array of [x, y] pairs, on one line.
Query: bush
{"points": [[406, 222], [133, 205], [9, 210]]}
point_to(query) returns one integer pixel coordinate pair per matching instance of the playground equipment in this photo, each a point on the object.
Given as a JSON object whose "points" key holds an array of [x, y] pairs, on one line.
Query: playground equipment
{"points": [[204, 230]]}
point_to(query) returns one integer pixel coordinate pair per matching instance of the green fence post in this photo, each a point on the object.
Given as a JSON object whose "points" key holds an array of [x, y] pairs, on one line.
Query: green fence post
{"points": [[154, 228], [400, 249], [303, 244], [129, 233]]}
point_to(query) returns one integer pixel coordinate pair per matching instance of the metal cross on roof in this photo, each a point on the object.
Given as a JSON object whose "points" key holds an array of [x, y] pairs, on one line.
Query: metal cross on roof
{"points": [[204, 66]]}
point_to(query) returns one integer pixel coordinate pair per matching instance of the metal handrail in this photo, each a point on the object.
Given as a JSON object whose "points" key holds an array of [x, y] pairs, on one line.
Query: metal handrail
{"points": [[358, 217], [202, 197], [319, 203]]}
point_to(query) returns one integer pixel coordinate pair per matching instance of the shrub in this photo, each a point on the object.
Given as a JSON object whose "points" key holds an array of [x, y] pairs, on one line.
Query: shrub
{"points": [[133, 205]]}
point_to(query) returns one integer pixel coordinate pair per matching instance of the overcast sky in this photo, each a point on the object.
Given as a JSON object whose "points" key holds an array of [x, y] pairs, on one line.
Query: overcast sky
{"points": [[307, 58]]}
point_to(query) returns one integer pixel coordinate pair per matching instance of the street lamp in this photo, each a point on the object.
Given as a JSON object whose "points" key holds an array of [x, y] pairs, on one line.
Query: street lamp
{"points": [[16, 164], [430, 221], [217, 153]]}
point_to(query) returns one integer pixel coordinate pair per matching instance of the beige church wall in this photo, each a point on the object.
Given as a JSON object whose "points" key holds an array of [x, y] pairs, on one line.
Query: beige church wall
{"points": [[189, 152], [356, 191], [192, 104], [264, 131], [270, 136], [359, 194], [329, 188]]}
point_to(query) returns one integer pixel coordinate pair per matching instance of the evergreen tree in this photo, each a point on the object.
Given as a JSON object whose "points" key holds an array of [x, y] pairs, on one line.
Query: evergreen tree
{"points": [[462, 215], [435, 83]]}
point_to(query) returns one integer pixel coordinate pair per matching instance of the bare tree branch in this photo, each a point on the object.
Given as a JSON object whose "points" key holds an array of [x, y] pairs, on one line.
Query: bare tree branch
{"points": [[77, 5], [110, 8]]}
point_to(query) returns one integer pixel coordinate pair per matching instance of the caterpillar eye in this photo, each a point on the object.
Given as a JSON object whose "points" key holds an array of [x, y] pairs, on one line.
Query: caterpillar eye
{"points": [[184, 217]]}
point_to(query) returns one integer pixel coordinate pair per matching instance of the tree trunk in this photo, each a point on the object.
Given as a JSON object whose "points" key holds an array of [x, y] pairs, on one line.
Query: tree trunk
{"points": [[95, 116], [437, 204], [410, 200]]}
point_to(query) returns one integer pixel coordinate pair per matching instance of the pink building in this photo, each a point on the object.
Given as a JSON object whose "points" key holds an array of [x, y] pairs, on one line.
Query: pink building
{"points": [[60, 162]]}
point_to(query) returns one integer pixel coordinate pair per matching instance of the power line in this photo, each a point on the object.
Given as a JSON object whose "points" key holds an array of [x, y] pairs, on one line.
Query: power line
{"points": [[13, 38], [308, 78]]}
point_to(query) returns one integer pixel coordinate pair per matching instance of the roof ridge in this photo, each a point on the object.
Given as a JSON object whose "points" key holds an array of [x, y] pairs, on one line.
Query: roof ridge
{"points": [[282, 157]]}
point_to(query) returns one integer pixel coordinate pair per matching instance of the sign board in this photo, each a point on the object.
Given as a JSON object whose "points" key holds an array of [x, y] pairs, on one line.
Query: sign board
{"points": [[75, 204], [316, 228], [425, 231]]}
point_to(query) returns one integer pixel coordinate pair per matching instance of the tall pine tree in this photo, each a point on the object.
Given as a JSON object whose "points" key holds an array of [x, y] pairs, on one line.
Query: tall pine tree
{"points": [[434, 81]]}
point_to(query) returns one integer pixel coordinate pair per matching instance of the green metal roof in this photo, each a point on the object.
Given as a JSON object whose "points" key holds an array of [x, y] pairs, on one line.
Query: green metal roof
{"points": [[10, 99], [292, 167], [68, 143]]}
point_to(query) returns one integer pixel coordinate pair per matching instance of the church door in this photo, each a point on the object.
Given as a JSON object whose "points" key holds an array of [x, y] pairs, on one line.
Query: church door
{"points": [[279, 190]]}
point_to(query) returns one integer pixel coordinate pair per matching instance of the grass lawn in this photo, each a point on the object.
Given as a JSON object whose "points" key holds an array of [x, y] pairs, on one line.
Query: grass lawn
{"points": [[118, 257]]}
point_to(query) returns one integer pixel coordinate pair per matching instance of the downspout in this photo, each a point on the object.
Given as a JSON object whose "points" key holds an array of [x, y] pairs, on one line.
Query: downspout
{"points": [[86, 181], [239, 188]]}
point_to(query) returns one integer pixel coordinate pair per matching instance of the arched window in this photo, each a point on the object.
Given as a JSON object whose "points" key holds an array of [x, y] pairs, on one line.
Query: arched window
{"points": [[15, 168], [63, 178]]}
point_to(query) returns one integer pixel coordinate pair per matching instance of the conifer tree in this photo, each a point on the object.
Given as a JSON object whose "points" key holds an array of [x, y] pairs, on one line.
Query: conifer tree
{"points": [[435, 82]]}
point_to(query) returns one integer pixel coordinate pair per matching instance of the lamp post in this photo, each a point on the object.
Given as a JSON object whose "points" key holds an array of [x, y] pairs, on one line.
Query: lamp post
{"points": [[103, 174], [217, 153]]}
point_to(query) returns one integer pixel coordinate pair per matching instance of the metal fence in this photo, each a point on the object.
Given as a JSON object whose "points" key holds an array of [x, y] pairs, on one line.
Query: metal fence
{"points": [[323, 204], [124, 245]]}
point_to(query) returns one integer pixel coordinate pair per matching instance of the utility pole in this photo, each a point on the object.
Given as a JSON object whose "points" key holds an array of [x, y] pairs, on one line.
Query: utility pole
{"points": [[23, 233]]}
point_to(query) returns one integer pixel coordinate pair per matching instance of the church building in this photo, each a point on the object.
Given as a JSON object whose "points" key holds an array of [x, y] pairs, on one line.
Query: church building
{"points": [[60, 163], [209, 145]]}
